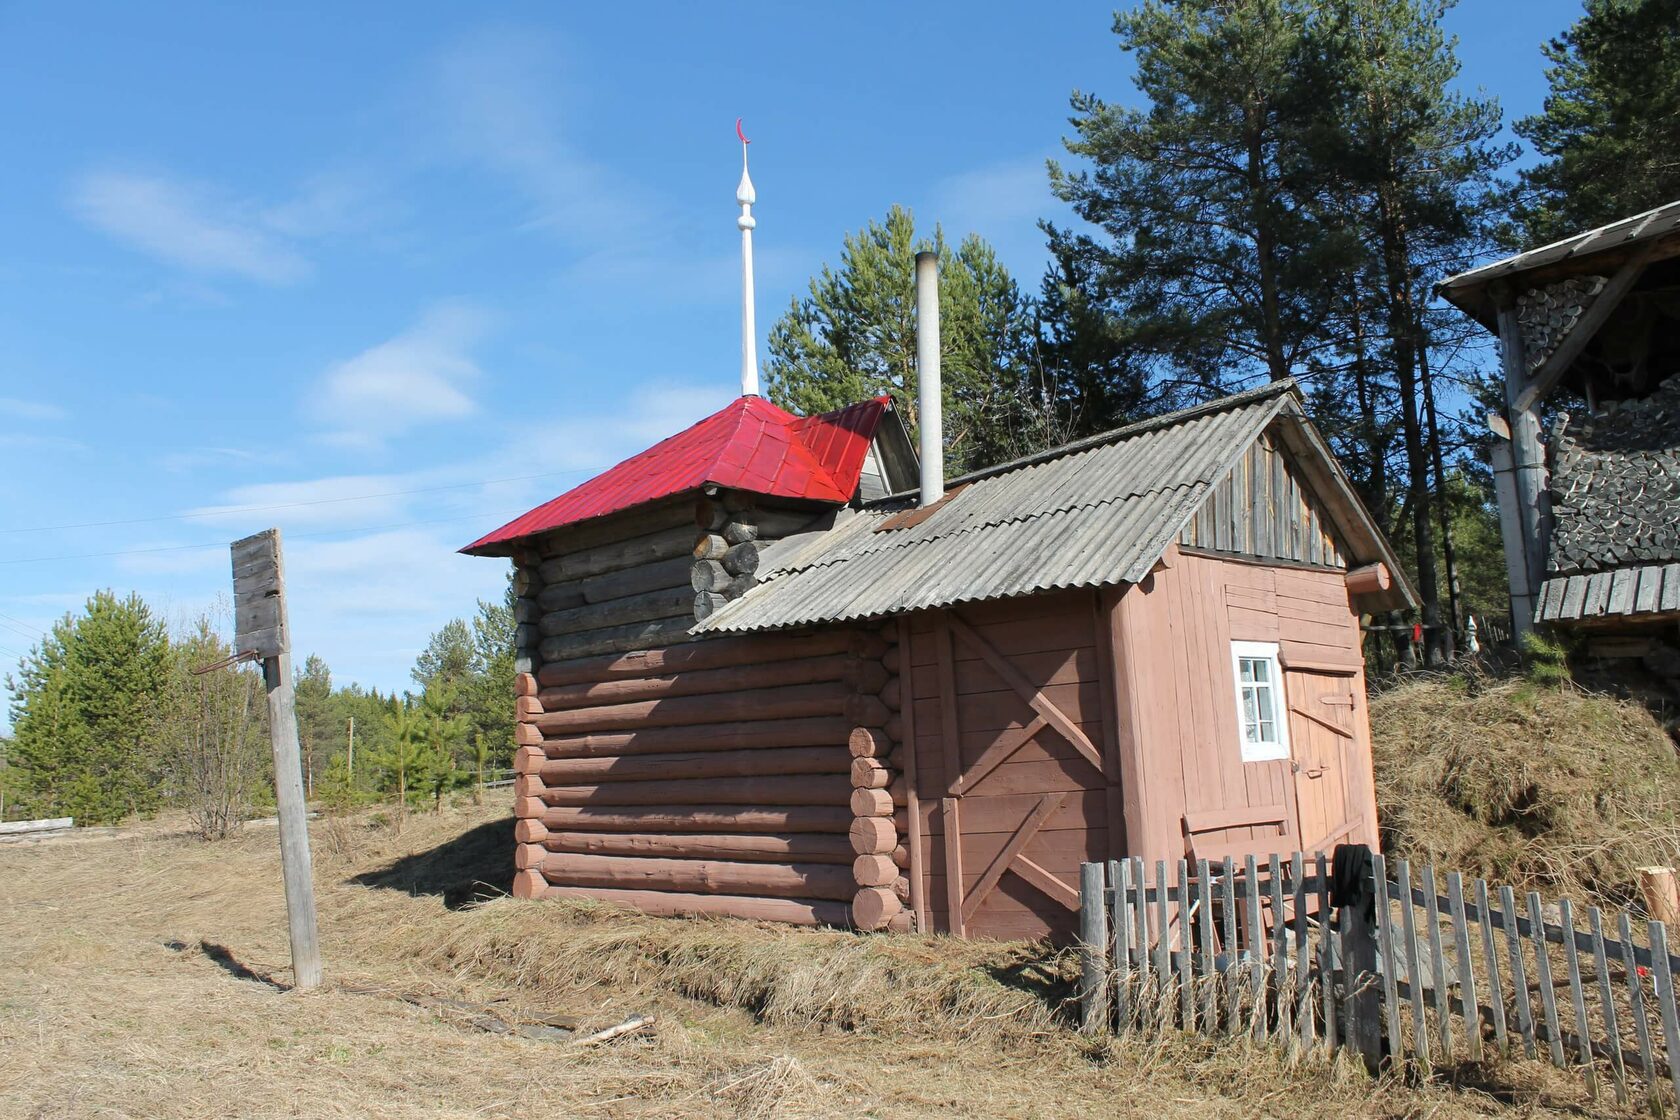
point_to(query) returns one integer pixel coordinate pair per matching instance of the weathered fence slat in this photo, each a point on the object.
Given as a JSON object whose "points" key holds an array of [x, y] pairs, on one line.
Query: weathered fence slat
{"points": [[1210, 990], [1664, 975], [1490, 958], [1303, 963], [1607, 998], [1141, 909], [1256, 947], [1327, 989], [1233, 988], [1414, 965], [1442, 995], [1186, 945], [1385, 946], [1163, 934], [1280, 955], [1572, 963], [1093, 944], [1519, 973], [1468, 1004], [1636, 1004], [1543, 974], [1119, 874]]}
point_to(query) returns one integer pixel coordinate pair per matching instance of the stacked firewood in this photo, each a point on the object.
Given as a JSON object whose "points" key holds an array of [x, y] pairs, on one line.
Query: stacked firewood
{"points": [[1547, 314]]}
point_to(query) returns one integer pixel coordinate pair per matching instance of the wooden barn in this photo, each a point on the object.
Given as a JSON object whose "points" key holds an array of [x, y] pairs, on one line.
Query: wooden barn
{"points": [[773, 667], [750, 687]]}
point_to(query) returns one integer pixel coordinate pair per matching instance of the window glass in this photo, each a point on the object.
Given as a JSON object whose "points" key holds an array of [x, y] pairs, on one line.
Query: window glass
{"points": [[1263, 733]]}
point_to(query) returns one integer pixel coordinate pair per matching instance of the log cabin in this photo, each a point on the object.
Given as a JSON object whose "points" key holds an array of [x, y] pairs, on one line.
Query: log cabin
{"points": [[773, 667]]}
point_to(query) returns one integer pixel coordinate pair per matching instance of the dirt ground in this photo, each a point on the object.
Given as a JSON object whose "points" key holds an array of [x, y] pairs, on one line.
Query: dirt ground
{"points": [[146, 975]]}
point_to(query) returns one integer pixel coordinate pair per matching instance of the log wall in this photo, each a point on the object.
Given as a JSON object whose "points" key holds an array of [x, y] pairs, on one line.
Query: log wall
{"points": [[745, 776], [639, 579]]}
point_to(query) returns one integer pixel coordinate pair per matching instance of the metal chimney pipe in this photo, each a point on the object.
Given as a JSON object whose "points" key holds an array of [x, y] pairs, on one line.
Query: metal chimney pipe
{"points": [[928, 388]]}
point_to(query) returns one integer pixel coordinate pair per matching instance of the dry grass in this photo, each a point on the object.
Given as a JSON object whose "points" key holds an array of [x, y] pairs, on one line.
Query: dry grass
{"points": [[144, 975], [1553, 788]]}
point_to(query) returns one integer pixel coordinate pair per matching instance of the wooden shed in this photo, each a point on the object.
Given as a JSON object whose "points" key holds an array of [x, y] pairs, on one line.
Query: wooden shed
{"points": [[758, 678]]}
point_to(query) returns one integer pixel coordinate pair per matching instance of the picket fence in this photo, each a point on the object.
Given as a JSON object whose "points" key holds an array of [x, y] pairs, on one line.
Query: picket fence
{"points": [[1424, 978]]}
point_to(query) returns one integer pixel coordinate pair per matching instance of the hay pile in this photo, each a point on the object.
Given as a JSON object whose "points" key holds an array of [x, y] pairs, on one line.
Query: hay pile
{"points": [[1550, 788]]}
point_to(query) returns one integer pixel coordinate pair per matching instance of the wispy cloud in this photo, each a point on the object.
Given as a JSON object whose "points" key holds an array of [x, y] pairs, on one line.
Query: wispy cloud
{"points": [[495, 95], [422, 375], [32, 441], [187, 225], [30, 410]]}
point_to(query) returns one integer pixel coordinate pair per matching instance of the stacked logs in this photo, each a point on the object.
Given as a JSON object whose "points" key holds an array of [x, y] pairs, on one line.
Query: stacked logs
{"points": [[733, 532], [707, 777], [878, 794]]}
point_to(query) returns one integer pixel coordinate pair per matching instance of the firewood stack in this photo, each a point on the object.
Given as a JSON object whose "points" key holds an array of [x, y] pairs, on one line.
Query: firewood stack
{"points": [[1547, 314]]}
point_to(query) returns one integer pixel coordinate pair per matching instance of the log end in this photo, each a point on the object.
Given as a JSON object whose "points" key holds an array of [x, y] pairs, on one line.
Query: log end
{"points": [[529, 831], [527, 705], [526, 734], [874, 907], [874, 871], [529, 857], [524, 684], [869, 773], [873, 835], [868, 742], [528, 759], [871, 803], [529, 884], [529, 808], [527, 785]]}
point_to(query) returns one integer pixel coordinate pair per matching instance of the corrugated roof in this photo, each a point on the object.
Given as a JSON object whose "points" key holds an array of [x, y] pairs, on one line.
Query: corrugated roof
{"points": [[1101, 511], [749, 444], [1468, 290]]}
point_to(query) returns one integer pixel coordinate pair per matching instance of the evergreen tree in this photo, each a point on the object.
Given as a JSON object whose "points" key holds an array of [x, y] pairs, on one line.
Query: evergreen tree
{"points": [[447, 658], [85, 713], [854, 336], [1609, 134], [321, 732]]}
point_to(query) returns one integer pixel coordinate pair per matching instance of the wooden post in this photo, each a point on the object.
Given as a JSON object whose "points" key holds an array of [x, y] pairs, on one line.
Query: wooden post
{"points": [[261, 631], [1662, 894], [1093, 946], [1528, 457], [1361, 1003]]}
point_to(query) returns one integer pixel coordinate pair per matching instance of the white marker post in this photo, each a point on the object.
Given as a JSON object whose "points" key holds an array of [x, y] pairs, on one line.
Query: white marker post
{"points": [[260, 631]]}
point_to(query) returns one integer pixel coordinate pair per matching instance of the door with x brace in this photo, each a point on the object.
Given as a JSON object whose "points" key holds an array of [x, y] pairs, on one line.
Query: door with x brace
{"points": [[1014, 787]]}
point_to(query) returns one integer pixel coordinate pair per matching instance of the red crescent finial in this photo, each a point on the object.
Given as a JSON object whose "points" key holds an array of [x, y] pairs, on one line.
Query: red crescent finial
{"points": [[739, 133]]}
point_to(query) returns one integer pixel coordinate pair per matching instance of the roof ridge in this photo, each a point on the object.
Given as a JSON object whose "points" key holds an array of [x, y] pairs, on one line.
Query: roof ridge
{"points": [[1126, 431]]}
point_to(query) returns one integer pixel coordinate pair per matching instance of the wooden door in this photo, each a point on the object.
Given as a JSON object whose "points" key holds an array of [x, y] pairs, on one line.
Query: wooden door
{"points": [[1323, 742], [1009, 771]]}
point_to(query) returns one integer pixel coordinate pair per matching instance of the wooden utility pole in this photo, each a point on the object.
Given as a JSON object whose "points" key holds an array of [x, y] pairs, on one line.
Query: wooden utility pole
{"points": [[261, 633], [350, 752]]}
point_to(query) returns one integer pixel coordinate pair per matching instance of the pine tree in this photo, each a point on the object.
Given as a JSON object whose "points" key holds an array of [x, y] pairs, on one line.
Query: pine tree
{"points": [[854, 336], [1609, 134], [85, 713]]}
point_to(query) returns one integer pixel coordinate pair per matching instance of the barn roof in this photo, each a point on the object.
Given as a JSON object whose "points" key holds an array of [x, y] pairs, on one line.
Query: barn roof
{"points": [[1607, 246], [1100, 511], [749, 444], [1615, 545]]}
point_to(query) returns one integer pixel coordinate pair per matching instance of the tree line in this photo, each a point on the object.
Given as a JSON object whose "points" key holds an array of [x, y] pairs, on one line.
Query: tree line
{"points": [[113, 716], [1278, 197]]}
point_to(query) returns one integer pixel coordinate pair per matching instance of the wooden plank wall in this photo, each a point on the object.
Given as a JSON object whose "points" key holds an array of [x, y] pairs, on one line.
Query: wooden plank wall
{"points": [[1052, 641], [1173, 636], [1263, 509]]}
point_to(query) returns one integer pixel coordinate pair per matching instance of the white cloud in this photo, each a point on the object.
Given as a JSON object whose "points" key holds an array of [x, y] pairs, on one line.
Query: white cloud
{"points": [[30, 441], [493, 95], [30, 410], [186, 225], [420, 376]]}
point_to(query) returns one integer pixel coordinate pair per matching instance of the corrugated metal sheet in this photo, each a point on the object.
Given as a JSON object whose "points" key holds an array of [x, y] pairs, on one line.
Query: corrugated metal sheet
{"points": [[1100, 512], [1643, 589], [1467, 289]]}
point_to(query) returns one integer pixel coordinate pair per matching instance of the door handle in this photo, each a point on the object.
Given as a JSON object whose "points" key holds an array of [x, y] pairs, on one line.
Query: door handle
{"points": [[1315, 771]]}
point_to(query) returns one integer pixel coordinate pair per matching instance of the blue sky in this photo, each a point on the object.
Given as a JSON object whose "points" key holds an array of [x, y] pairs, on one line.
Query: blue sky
{"points": [[387, 275]]}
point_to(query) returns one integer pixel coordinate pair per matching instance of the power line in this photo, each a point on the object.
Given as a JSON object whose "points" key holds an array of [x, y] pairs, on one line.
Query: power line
{"points": [[224, 544], [19, 628], [228, 511]]}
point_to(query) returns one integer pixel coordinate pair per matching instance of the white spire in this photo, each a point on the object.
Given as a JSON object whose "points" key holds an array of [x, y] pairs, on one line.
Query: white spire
{"points": [[749, 331]]}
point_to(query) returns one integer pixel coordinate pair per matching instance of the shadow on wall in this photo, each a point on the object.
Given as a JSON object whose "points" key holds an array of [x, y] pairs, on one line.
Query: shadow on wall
{"points": [[473, 867]]}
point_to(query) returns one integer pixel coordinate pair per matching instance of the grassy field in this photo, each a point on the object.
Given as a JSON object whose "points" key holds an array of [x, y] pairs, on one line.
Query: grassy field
{"points": [[145, 975]]}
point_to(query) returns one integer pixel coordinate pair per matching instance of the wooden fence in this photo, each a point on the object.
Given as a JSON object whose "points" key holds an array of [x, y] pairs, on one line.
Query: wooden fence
{"points": [[1421, 977]]}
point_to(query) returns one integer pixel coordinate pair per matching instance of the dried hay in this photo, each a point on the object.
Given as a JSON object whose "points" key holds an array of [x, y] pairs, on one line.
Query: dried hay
{"points": [[1548, 788]]}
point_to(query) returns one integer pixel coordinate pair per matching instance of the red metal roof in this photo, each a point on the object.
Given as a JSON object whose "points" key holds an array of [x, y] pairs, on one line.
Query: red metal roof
{"points": [[749, 444]]}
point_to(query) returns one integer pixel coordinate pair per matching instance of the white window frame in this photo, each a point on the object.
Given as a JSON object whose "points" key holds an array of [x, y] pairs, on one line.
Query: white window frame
{"points": [[1278, 747]]}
